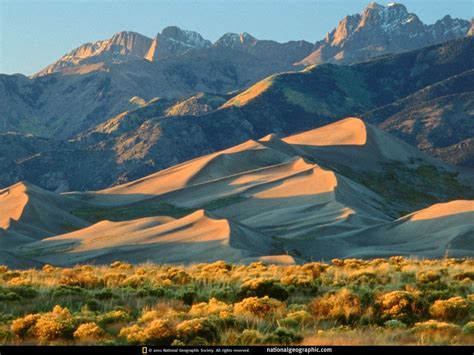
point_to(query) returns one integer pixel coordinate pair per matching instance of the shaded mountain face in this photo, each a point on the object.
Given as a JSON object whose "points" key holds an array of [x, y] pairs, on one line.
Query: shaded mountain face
{"points": [[287, 53], [62, 105], [102, 79], [437, 119], [380, 30], [166, 132], [332, 192]]}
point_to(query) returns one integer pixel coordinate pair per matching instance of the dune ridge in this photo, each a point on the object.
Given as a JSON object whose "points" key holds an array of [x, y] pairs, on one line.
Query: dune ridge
{"points": [[316, 195]]}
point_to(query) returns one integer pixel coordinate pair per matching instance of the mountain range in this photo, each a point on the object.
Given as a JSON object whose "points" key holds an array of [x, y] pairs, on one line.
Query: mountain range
{"points": [[424, 97], [102, 79], [344, 190]]}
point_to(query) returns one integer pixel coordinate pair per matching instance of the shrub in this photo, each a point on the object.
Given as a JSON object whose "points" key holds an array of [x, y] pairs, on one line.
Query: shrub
{"points": [[21, 326], [53, 325], [259, 307], [261, 287], [65, 290], [464, 275], [250, 337], [468, 328], [214, 306], [428, 276], [7, 295], [190, 330], [297, 319], [86, 280], [158, 332], [88, 331], [105, 294], [225, 293], [188, 295], [284, 336], [25, 291], [178, 276], [455, 308], [344, 306], [133, 281], [118, 315], [397, 305]]}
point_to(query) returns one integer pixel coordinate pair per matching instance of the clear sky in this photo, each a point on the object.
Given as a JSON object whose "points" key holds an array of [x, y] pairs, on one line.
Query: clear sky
{"points": [[34, 33]]}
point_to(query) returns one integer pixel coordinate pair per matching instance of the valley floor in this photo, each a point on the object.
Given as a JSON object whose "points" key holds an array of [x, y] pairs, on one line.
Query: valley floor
{"points": [[344, 302]]}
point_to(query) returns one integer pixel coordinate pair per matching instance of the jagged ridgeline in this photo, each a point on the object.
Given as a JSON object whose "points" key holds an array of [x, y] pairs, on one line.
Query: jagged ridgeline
{"points": [[424, 97]]}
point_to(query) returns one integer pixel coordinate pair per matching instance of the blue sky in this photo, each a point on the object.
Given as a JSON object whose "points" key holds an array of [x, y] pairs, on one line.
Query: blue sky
{"points": [[34, 33]]}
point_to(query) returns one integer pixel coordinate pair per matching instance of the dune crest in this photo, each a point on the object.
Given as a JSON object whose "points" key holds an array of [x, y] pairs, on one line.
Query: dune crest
{"points": [[349, 131], [440, 210], [13, 200], [332, 192]]}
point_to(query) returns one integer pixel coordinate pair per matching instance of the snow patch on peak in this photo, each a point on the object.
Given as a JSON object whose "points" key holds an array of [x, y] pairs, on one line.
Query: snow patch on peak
{"points": [[186, 37]]}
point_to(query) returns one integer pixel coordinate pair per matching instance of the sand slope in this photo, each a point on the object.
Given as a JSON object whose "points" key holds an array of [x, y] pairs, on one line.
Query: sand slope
{"points": [[198, 237], [288, 200], [36, 213], [355, 144]]}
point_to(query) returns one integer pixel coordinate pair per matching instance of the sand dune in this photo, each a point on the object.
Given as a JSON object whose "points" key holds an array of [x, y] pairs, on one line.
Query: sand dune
{"points": [[276, 200], [351, 142], [37, 213], [439, 230], [247, 156], [198, 237]]}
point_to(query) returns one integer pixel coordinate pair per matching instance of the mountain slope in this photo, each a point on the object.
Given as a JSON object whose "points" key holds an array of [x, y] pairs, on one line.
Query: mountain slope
{"points": [[380, 30], [121, 47], [145, 139], [436, 119]]}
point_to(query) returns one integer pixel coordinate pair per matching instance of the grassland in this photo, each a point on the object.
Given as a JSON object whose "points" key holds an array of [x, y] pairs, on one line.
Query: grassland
{"points": [[380, 301]]}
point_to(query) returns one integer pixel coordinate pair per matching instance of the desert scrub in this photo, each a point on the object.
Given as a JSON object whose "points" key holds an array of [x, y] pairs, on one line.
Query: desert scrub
{"points": [[298, 319], [284, 336], [88, 332], [377, 300], [399, 305], [261, 287], [22, 326], [453, 309], [343, 306], [215, 307], [259, 307], [115, 316], [45, 327], [157, 332], [198, 331]]}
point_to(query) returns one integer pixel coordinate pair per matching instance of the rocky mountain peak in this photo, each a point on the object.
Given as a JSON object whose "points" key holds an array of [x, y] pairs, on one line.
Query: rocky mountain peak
{"points": [[186, 37], [379, 30], [233, 40]]}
